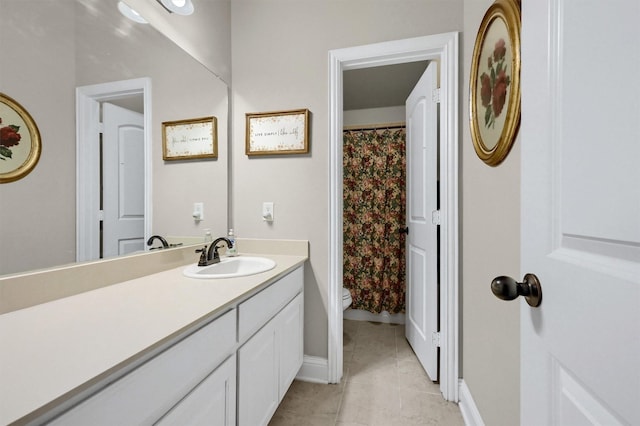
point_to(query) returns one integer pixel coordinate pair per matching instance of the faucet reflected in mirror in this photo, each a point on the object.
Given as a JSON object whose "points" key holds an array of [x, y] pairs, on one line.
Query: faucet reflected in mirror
{"points": [[99, 46], [162, 240]]}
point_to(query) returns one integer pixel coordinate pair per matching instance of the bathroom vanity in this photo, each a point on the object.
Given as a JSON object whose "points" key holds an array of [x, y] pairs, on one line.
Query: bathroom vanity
{"points": [[162, 348]]}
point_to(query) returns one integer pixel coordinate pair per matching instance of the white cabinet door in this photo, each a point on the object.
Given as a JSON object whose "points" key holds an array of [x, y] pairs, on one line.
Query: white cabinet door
{"points": [[258, 395], [271, 358], [290, 340], [211, 403]]}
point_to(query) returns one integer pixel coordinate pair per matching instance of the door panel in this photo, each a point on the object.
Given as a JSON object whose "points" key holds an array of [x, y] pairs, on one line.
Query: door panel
{"points": [[581, 212], [123, 181], [417, 274], [422, 200]]}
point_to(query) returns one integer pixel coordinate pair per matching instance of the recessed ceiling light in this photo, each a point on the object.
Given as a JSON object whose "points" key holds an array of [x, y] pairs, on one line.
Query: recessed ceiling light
{"points": [[181, 7], [126, 10]]}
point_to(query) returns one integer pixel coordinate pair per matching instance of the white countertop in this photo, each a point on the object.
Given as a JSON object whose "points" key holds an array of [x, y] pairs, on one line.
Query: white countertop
{"points": [[49, 352]]}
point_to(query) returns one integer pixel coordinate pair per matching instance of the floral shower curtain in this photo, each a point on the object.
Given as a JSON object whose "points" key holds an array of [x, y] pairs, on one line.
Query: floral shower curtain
{"points": [[374, 211]]}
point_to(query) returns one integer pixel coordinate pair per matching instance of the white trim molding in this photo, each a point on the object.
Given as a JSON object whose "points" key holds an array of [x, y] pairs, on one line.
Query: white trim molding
{"points": [[468, 408], [443, 48], [314, 370]]}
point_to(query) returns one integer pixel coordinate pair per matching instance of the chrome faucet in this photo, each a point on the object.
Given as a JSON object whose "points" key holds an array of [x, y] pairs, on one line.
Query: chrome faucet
{"points": [[164, 242], [211, 256]]}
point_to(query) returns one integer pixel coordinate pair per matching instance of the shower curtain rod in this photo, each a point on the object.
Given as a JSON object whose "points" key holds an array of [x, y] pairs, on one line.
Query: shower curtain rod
{"points": [[396, 125]]}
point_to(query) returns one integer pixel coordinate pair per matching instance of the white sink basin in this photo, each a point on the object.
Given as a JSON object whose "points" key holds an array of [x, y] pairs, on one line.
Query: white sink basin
{"points": [[230, 267]]}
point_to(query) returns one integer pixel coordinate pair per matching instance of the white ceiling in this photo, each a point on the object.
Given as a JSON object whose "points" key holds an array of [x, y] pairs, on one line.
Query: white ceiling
{"points": [[378, 87]]}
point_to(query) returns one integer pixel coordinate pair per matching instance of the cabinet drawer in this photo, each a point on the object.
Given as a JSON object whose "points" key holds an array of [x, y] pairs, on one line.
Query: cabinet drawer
{"points": [[149, 391], [258, 310]]}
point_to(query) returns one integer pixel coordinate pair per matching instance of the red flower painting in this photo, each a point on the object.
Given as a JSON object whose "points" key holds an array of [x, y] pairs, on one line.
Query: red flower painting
{"points": [[9, 137], [494, 84]]}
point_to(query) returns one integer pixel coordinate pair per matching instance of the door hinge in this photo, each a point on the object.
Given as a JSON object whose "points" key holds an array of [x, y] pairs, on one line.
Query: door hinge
{"points": [[435, 338], [100, 127], [435, 95], [100, 215], [435, 217]]}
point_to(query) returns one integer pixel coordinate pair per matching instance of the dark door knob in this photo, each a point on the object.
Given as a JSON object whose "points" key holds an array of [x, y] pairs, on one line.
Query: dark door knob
{"points": [[404, 230], [506, 288]]}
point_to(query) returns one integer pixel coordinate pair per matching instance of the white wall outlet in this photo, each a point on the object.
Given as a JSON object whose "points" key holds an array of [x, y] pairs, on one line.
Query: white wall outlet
{"points": [[267, 211], [198, 211]]}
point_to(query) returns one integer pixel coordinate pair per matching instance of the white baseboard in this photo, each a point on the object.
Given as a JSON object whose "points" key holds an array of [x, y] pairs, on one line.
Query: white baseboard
{"points": [[314, 369], [384, 317], [470, 412]]}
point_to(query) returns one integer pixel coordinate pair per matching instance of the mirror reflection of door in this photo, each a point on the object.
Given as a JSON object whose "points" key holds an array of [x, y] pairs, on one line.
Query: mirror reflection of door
{"points": [[122, 181], [113, 168]]}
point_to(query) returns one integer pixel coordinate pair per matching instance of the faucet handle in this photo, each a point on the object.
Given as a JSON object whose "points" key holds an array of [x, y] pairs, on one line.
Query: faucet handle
{"points": [[203, 256], [216, 255]]}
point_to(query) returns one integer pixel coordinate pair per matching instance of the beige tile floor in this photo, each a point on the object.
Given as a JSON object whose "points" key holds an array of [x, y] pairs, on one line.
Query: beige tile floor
{"points": [[383, 385]]}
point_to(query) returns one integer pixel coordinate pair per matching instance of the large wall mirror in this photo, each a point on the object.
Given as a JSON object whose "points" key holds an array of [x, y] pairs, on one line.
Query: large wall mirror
{"points": [[50, 48]]}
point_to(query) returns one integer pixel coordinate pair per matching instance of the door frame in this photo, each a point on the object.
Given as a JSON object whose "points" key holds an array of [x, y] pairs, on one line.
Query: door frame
{"points": [[88, 123], [442, 48]]}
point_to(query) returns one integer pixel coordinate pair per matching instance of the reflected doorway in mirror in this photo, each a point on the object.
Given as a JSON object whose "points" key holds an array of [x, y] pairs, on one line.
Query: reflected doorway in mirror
{"points": [[103, 231]]}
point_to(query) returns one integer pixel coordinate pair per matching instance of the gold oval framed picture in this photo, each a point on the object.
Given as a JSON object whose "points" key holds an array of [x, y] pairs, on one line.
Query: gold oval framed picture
{"points": [[19, 141], [494, 89]]}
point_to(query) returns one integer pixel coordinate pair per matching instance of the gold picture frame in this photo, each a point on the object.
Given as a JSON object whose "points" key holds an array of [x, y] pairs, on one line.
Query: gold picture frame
{"points": [[190, 139], [494, 88], [279, 132], [20, 144]]}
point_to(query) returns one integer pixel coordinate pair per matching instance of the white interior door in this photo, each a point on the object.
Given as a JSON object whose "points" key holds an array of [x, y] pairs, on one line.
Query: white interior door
{"points": [[580, 138], [123, 180], [421, 325]]}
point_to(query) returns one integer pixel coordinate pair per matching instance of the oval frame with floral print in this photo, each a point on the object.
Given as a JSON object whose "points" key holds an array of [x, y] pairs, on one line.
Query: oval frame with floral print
{"points": [[494, 89], [19, 141]]}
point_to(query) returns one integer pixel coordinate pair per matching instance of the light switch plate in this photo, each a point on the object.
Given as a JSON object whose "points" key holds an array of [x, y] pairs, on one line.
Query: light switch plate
{"points": [[267, 211], [198, 211]]}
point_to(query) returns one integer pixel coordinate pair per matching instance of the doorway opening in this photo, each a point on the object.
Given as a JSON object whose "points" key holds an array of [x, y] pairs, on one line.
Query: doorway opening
{"points": [[442, 48], [89, 101], [374, 182]]}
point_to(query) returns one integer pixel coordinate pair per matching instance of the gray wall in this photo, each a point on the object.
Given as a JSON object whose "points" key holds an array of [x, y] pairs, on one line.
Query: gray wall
{"points": [[205, 35], [35, 205], [490, 218]]}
